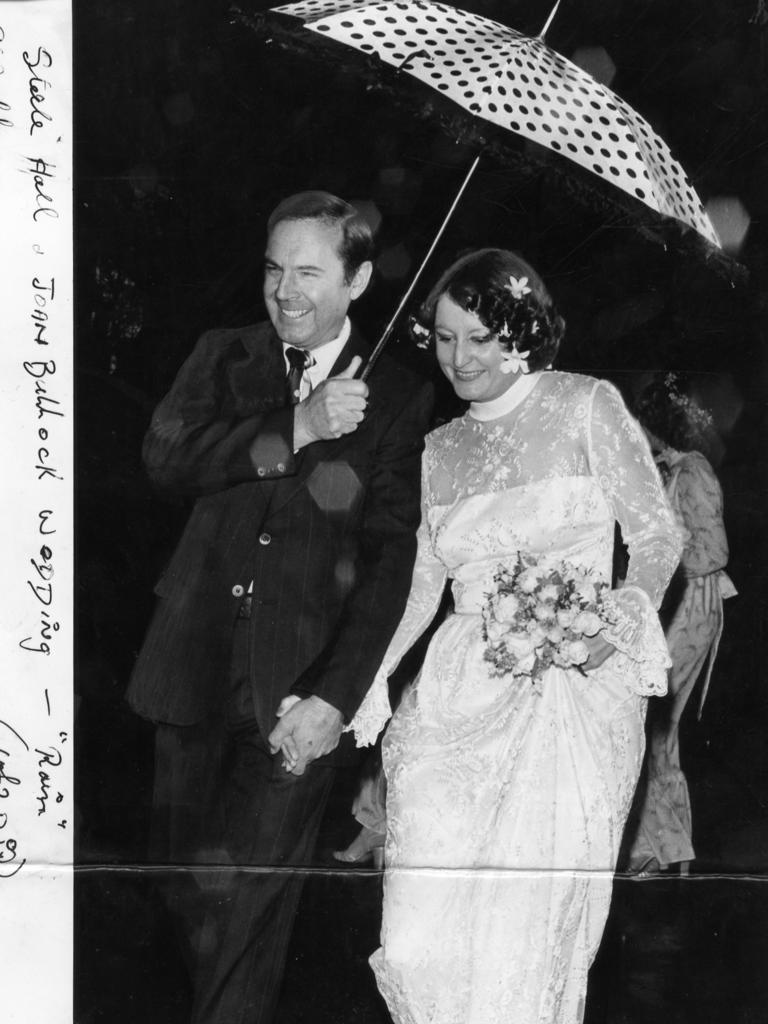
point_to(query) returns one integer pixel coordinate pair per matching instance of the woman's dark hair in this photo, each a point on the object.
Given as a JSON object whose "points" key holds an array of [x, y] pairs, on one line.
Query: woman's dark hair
{"points": [[507, 295], [668, 412], [357, 244]]}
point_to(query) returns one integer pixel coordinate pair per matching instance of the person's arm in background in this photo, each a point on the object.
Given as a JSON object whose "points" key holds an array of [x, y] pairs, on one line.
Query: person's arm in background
{"points": [[699, 500]]}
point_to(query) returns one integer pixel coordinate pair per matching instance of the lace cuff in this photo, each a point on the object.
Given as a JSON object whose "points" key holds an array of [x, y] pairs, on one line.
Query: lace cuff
{"points": [[639, 640], [375, 711], [429, 576]]}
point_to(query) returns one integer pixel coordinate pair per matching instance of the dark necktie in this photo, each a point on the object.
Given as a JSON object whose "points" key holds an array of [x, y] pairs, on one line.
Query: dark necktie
{"points": [[298, 361]]}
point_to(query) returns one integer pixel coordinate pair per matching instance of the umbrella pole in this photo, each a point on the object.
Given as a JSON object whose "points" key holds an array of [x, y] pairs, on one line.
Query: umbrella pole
{"points": [[550, 19], [390, 326]]}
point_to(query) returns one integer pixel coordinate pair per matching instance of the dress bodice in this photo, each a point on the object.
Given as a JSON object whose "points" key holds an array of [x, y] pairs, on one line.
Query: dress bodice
{"points": [[562, 519], [568, 431]]}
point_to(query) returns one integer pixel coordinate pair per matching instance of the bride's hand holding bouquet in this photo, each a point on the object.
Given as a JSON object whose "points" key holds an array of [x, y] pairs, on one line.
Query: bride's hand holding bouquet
{"points": [[541, 617]]}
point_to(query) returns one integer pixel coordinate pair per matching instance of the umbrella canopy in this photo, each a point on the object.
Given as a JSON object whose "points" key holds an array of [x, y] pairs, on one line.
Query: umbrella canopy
{"points": [[519, 84]]}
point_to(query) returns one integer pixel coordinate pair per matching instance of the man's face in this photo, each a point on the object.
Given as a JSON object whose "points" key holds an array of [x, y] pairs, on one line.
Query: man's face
{"points": [[305, 290]]}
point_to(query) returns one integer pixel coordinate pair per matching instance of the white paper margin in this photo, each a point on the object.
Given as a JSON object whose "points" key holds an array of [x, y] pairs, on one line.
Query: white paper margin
{"points": [[36, 539]]}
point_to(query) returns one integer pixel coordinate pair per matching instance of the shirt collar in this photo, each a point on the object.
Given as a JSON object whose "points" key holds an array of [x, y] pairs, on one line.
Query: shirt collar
{"points": [[325, 355]]}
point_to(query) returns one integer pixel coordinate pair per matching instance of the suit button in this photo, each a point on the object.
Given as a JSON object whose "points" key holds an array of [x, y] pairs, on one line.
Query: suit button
{"points": [[238, 590], [281, 467], [265, 538], [260, 471]]}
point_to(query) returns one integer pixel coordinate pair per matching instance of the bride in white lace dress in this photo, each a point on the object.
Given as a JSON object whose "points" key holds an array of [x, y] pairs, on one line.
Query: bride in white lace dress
{"points": [[506, 802]]}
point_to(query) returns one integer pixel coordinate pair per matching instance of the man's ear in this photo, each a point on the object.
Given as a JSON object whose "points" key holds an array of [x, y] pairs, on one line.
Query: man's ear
{"points": [[361, 279]]}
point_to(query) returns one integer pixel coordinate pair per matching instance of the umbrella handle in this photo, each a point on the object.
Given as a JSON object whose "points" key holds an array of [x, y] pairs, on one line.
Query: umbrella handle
{"points": [[409, 291]]}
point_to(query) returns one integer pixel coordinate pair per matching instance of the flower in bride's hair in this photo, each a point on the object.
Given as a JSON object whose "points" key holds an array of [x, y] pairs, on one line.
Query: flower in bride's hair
{"points": [[518, 286], [420, 333], [515, 362]]}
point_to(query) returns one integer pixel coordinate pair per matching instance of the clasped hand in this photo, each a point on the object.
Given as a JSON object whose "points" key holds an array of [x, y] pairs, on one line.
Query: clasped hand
{"points": [[307, 729], [334, 408]]}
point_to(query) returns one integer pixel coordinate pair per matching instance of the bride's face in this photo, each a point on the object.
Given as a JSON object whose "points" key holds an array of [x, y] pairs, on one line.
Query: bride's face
{"points": [[469, 355]]}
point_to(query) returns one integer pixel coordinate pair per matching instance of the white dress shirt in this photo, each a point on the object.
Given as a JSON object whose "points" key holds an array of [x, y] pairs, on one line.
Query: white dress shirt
{"points": [[322, 360]]}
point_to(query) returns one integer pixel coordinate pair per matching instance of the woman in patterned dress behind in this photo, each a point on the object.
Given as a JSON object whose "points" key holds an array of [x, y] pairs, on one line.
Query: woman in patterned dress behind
{"points": [[677, 427]]}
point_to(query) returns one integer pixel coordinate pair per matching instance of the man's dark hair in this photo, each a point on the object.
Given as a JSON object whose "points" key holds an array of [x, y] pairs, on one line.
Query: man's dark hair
{"points": [[357, 243]]}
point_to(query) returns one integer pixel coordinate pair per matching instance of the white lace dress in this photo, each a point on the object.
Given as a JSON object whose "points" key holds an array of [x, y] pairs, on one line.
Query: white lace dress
{"points": [[505, 805]]}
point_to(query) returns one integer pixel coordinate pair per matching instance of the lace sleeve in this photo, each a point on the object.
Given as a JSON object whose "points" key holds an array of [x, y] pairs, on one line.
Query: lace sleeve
{"points": [[620, 458], [429, 576]]}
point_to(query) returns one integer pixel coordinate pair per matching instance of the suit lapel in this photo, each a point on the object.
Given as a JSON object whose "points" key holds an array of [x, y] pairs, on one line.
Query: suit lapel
{"points": [[257, 377]]}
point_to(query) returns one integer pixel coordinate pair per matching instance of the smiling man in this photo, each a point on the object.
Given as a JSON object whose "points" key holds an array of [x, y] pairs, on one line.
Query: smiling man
{"points": [[280, 599]]}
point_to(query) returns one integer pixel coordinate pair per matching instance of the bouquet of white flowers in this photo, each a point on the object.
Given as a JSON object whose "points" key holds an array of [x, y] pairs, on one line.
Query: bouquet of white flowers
{"points": [[538, 617]]}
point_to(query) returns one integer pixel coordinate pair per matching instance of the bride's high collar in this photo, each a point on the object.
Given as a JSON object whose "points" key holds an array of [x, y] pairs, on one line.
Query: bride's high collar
{"points": [[512, 397]]}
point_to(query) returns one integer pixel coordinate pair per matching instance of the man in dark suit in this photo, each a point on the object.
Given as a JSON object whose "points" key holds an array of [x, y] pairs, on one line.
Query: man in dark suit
{"points": [[282, 595]]}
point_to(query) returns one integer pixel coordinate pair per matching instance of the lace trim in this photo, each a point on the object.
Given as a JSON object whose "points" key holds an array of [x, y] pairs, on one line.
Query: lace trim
{"points": [[375, 711], [638, 637]]}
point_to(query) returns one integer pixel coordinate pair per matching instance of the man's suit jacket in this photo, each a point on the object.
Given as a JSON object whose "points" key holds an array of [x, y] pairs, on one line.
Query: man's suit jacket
{"points": [[327, 536]]}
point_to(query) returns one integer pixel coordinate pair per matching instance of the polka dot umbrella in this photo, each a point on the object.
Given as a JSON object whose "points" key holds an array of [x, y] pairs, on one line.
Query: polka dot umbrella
{"points": [[521, 85]]}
